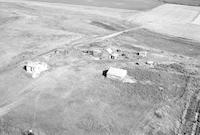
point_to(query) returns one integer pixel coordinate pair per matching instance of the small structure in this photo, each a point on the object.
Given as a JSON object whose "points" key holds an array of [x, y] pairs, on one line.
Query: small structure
{"points": [[109, 50], [28, 132], [151, 63], [116, 73], [94, 52], [89, 52], [142, 54], [114, 56], [137, 63], [35, 68]]}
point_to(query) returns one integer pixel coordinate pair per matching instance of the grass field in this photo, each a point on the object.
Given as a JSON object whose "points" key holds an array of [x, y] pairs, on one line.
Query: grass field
{"points": [[184, 2], [125, 4], [73, 97]]}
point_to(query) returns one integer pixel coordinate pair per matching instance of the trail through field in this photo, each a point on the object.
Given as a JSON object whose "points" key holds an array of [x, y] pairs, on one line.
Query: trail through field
{"points": [[23, 94], [103, 38]]}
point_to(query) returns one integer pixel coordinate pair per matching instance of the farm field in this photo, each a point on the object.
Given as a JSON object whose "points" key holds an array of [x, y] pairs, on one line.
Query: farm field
{"points": [[125, 4], [159, 96], [179, 21]]}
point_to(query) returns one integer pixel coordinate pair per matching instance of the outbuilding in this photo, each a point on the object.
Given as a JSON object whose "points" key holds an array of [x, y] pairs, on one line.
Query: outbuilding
{"points": [[116, 73], [35, 68], [142, 54]]}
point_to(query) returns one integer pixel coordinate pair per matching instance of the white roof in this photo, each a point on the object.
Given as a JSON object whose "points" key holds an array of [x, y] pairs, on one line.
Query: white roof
{"points": [[117, 72], [109, 50]]}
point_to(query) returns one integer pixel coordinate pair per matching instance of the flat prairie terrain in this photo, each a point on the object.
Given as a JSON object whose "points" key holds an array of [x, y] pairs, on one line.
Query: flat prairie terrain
{"points": [[74, 97], [121, 4], [178, 21], [125, 4], [184, 2]]}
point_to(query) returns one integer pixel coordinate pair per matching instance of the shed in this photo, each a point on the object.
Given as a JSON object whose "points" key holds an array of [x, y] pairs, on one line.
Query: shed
{"points": [[35, 68], [116, 73], [142, 54]]}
